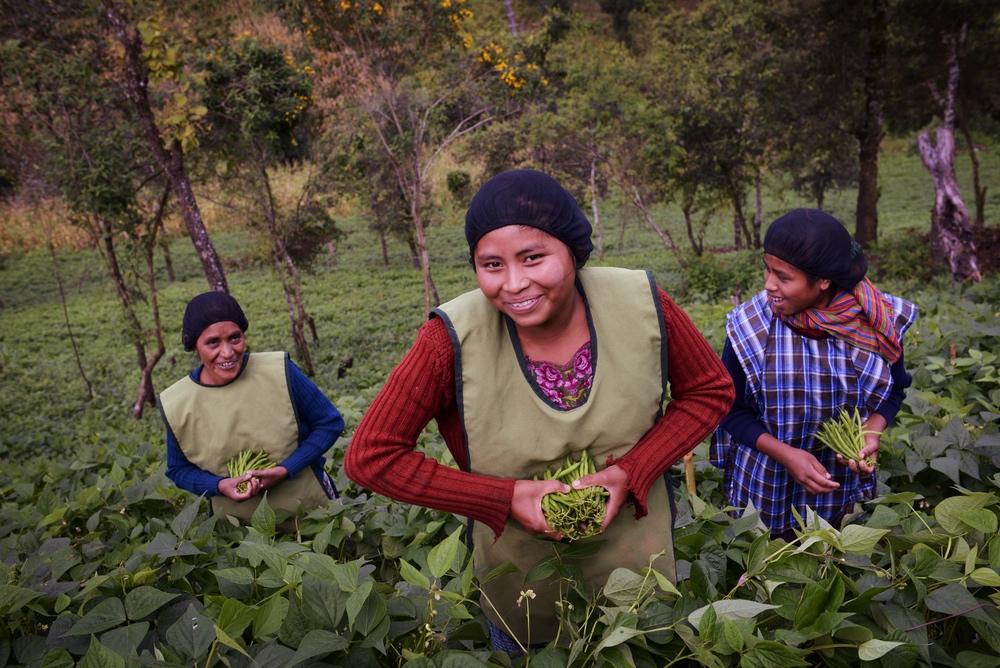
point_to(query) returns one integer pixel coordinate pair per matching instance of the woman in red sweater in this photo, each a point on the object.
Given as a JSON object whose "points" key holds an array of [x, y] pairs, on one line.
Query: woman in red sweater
{"points": [[546, 359]]}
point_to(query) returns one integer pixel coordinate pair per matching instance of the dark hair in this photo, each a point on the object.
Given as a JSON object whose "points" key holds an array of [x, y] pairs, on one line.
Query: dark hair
{"points": [[534, 199], [819, 245], [207, 309]]}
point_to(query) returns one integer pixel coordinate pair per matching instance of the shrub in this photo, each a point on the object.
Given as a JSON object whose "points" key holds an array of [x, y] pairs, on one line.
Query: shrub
{"points": [[715, 276]]}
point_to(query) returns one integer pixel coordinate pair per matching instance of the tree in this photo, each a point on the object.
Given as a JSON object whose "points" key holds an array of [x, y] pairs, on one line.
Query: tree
{"points": [[951, 230], [257, 99], [409, 70], [167, 147]]}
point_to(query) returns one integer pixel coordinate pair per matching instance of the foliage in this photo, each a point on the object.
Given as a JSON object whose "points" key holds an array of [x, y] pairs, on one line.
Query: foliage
{"points": [[711, 277]]}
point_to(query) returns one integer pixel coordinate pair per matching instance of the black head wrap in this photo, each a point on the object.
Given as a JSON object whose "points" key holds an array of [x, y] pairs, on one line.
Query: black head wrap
{"points": [[532, 198], [818, 244], [207, 309]]}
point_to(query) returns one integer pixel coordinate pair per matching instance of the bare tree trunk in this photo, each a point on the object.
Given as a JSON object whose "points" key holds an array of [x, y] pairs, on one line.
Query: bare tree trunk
{"points": [[511, 23], [431, 298], [758, 216], [69, 328], [147, 394], [664, 235], [870, 135], [687, 205], [978, 190], [593, 204], [741, 233], [950, 219], [170, 159]]}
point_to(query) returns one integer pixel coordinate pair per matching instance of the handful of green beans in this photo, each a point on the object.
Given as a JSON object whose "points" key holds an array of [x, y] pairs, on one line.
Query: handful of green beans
{"points": [[579, 513], [248, 461], [845, 435]]}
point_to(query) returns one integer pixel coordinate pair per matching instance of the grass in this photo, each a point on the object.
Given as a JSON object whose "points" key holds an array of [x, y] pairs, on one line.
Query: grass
{"points": [[365, 311]]}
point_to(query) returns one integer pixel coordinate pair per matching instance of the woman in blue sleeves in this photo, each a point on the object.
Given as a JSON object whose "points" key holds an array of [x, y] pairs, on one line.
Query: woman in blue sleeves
{"points": [[237, 401]]}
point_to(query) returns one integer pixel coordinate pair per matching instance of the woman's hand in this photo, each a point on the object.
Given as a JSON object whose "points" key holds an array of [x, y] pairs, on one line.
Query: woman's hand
{"points": [[615, 480], [227, 487], [269, 477], [873, 428], [807, 471], [526, 505]]}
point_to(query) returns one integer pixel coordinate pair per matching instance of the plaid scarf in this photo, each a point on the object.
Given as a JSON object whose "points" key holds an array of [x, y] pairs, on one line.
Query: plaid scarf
{"points": [[863, 318]]}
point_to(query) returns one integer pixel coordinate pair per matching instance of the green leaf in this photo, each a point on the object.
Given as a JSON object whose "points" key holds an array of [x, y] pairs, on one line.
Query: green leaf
{"points": [[948, 510], [622, 629], [980, 519], [235, 617], [853, 633], [372, 618], [770, 654], [442, 556], [624, 587], [731, 609], [124, 641], [810, 605], [263, 519], [182, 522], [987, 577], [503, 569], [318, 642], [269, 617], [107, 614], [58, 658], [855, 539], [873, 650], [192, 634], [99, 656], [545, 568], [357, 600], [12, 598], [413, 576], [145, 600], [977, 660], [579, 550], [733, 635]]}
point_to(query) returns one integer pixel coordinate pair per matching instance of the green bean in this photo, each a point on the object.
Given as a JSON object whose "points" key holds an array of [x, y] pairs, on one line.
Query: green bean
{"points": [[248, 461], [578, 513], [845, 435]]}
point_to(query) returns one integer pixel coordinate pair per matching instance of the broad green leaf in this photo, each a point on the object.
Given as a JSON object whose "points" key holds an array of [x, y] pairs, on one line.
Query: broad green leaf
{"points": [[811, 603], [874, 649], [665, 584], [323, 602], [624, 587], [357, 600], [579, 550], [166, 545], [855, 539], [263, 519], [107, 614], [947, 511], [372, 618], [853, 633], [442, 556], [319, 642], [99, 656], [58, 658], [12, 598], [987, 577], [731, 609], [257, 553], [192, 634], [980, 519], [413, 576], [269, 617], [229, 641], [240, 575], [543, 569], [326, 567], [235, 617], [182, 522], [145, 600], [623, 628], [733, 635], [124, 641], [770, 654], [977, 660]]}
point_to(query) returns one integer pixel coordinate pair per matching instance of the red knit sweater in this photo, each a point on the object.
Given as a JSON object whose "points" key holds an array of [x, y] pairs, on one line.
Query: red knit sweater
{"points": [[381, 455]]}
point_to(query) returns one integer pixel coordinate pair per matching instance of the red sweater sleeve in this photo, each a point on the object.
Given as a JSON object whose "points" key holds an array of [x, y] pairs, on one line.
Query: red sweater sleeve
{"points": [[381, 456], [701, 393]]}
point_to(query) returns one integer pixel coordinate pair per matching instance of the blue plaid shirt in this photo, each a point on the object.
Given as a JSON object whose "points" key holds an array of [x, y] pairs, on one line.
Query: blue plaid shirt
{"points": [[793, 383]]}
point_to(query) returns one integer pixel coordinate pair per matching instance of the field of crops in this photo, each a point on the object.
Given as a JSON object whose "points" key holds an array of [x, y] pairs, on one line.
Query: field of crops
{"points": [[104, 563]]}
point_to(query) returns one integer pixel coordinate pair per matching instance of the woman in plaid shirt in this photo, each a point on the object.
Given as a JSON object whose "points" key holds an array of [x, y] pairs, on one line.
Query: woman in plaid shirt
{"points": [[819, 338]]}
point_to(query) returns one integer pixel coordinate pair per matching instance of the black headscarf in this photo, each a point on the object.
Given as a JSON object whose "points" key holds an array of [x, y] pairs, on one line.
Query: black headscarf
{"points": [[818, 244], [532, 198], [207, 309]]}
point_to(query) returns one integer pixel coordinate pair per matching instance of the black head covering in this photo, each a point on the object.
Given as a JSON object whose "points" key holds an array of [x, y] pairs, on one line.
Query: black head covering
{"points": [[818, 244], [532, 198], [207, 309]]}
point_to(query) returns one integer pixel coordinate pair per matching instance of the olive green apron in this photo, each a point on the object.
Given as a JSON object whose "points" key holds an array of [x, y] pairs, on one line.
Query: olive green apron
{"points": [[512, 431], [214, 423]]}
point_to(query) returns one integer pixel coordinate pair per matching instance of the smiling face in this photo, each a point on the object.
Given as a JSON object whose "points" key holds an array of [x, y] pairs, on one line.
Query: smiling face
{"points": [[789, 287], [220, 348], [528, 275]]}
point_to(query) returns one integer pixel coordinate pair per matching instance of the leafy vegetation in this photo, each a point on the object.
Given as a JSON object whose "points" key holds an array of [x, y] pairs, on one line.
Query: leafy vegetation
{"points": [[105, 563]]}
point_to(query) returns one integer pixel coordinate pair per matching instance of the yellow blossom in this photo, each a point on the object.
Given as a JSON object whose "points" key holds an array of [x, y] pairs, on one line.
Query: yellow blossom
{"points": [[377, 8]]}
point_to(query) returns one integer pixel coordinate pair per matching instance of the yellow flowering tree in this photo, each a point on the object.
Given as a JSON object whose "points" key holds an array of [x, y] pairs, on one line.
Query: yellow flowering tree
{"points": [[411, 71]]}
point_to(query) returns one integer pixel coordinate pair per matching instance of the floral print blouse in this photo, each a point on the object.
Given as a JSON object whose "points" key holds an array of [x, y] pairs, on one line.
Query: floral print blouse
{"points": [[565, 386]]}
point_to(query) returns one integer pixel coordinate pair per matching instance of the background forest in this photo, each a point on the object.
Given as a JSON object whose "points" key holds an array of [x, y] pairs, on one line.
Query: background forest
{"points": [[315, 159]]}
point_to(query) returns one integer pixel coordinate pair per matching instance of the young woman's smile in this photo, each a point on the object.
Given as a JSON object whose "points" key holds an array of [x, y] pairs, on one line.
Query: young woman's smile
{"points": [[529, 275], [789, 287], [220, 348]]}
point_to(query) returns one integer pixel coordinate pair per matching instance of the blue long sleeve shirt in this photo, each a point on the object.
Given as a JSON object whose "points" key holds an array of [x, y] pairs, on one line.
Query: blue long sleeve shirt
{"points": [[320, 424], [743, 423]]}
